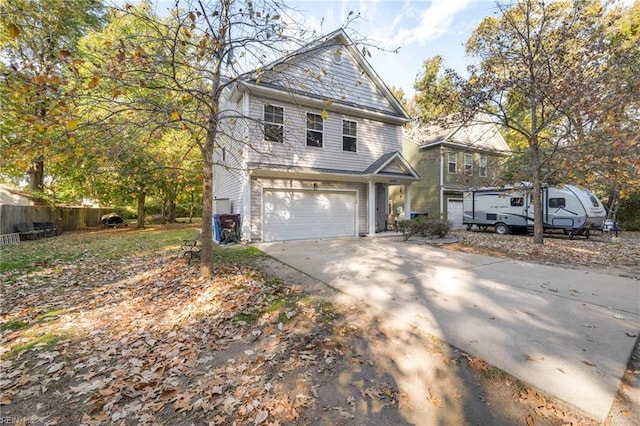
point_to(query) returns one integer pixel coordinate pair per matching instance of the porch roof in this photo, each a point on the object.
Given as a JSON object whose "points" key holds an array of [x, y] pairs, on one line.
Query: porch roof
{"points": [[390, 167]]}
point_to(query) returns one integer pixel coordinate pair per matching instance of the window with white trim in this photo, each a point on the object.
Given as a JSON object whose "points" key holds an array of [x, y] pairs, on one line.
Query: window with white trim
{"points": [[273, 123], [468, 164], [315, 125], [453, 162], [349, 136], [482, 166]]}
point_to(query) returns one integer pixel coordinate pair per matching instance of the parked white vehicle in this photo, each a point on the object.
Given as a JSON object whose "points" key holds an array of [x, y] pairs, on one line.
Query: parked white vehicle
{"points": [[569, 208]]}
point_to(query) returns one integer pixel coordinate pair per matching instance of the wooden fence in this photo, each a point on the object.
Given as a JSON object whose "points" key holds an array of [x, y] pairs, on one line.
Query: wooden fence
{"points": [[66, 218]]}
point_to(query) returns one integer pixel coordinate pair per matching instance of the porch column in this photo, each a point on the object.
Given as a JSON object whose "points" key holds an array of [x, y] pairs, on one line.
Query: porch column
{"points": [[407, 201], [371, 208]]}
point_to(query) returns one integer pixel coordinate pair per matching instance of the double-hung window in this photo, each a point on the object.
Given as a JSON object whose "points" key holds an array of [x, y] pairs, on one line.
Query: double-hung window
{"points": [[482, 166], [273, 123], [349, 136], [468, 164], [453, 162], [314, 130]]}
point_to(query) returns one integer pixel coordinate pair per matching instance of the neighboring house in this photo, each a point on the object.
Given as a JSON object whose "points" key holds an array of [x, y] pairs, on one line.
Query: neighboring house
{"points": [[451, 160], [315, 147], [14, 197]]}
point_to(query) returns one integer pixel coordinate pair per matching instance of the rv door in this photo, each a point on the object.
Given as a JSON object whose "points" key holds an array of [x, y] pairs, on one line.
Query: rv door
{"points": [[529, 209]]}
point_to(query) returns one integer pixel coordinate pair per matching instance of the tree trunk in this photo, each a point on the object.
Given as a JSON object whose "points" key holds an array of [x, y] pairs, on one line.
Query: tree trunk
{"points": [[538, 226], [171, 211], [141, 200], [36, 175], [206, 258], [163, 211]]}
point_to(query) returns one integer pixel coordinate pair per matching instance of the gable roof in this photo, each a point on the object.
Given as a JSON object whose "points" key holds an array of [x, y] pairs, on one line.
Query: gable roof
{"points": [[330, 70], [391, 163], [479, 134]]}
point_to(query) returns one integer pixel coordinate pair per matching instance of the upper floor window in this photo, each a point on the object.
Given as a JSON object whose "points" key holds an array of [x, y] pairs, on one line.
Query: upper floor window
{"points": [[482, 167], [273, 123], [314, 130], [453, 162], [349, 136], [468, 164]]}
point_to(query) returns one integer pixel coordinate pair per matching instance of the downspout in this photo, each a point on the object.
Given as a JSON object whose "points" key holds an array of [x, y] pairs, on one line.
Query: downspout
{"points": [[442, 181], [246, 179]]}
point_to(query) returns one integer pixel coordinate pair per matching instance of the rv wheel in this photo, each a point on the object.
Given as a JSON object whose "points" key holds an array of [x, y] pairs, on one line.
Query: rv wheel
{"points": [[501, 229]]}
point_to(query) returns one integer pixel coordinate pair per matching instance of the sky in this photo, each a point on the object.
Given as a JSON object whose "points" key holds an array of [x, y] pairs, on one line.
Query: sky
{"points": [[420, 29], [417, 29]]}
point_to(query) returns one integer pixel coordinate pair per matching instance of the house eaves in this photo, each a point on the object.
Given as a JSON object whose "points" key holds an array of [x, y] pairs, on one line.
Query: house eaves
{"points": [[465, 146], [340, 36]]}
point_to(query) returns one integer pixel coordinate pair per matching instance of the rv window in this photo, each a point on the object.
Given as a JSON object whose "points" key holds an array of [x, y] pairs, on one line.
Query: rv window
{"points": [[517, 202], [594, 201], [557, 202]]}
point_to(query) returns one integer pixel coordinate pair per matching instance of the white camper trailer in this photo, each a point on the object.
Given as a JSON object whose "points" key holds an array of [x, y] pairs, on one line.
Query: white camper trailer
{"points": [[569, 208]]}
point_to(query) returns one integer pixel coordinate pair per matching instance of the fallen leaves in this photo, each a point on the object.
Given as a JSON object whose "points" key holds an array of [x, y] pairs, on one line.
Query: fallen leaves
{"points": [[141, 340], [592, 252], [547, 408]]}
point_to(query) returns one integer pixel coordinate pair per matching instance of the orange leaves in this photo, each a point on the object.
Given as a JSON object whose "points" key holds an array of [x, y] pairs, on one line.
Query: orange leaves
{"points": [[94, 82], [13, 30], [175, 115]]}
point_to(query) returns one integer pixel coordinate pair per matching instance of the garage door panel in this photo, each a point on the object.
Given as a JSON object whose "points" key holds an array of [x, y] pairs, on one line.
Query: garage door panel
{"points": [[455, 213], [290, 215]]}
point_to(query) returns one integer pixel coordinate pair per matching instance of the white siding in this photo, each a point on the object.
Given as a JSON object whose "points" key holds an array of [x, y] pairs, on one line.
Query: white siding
{"points": [[228, 173], [317, 73], [374, 139]]}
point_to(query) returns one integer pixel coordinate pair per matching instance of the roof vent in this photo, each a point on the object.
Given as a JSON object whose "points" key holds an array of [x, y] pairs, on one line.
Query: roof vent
{"points": [[337, 56]]}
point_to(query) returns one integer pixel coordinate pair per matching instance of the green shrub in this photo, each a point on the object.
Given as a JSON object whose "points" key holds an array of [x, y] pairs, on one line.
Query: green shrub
{"points": [[629, 212], [439, 227], [423, 226]]}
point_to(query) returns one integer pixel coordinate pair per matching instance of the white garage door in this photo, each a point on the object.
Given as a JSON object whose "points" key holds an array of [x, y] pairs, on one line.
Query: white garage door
{"points": [[297, 215], [454, 213]]}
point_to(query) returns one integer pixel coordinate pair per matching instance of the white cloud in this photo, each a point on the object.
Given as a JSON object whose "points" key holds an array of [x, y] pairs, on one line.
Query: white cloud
{"points": [[433, 22]]}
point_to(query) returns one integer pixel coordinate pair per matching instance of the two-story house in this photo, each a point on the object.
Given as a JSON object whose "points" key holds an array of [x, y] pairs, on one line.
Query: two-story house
{"points": [[451, 159], [316, 144]]}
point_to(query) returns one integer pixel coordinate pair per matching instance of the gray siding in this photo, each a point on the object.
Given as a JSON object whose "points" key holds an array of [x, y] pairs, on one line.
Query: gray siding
{"points": [[228, 171], [257, 186], [373, 138], [317, 73]]}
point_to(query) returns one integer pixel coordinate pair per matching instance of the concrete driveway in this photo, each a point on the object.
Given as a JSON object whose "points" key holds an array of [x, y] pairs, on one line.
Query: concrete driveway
{"points": [[568, 332]]}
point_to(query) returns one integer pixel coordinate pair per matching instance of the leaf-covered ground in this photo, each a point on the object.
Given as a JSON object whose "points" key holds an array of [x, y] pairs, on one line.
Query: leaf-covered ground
{"points": [[596, 253], [114, 327], [96, 337]]}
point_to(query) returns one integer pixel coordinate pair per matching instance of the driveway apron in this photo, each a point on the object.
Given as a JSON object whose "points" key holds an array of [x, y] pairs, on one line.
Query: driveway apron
{"points": [[568, 332]]}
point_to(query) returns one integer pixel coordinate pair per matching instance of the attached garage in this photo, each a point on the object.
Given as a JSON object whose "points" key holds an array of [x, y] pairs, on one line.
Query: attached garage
{"points": [[305, 214], [455, 213]]}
